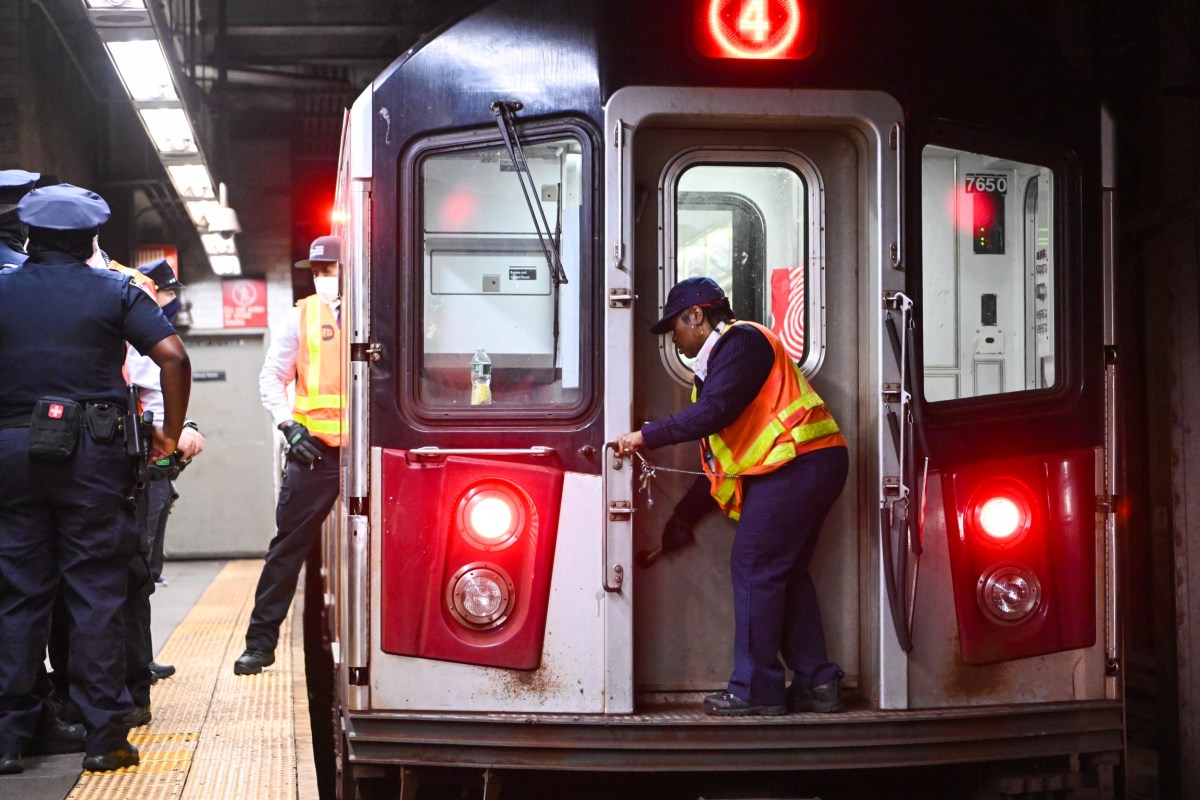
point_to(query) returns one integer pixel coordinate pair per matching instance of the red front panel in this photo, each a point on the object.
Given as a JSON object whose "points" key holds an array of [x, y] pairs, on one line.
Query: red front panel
{"points": [[433, 547], [1024, 576]]}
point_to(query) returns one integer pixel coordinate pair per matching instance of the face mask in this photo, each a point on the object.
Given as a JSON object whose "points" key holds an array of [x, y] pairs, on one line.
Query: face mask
{"points": [[327, 288], [170, 310]]}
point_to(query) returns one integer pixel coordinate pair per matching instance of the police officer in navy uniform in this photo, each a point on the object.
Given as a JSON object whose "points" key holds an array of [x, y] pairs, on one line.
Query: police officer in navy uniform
{"points": [[14, 184], [67, 519]]}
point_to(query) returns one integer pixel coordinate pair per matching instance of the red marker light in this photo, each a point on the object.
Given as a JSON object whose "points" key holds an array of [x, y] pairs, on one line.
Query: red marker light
{"points": [[1002, 513], [1000, 518], [490, 518], [492, 515], [754, 29]]}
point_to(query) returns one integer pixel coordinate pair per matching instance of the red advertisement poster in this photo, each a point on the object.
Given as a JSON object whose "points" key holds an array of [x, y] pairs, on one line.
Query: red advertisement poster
{"points": [[244, 303]]}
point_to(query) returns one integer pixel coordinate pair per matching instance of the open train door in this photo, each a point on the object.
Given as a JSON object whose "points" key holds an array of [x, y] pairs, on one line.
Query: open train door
{"points": [[787, 199]]}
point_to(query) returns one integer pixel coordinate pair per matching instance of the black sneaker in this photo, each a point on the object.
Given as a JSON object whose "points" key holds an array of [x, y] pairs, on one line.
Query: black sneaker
{"points": [[10, 764], [252, 662], [55, 737], [724, 704], [160, 671], [823, 699], [125, 756], [138, 717]]}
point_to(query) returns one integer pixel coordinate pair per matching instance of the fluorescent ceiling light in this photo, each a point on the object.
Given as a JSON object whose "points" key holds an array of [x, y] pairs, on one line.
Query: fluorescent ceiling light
{"points": [[143, 69], [201, 211], [116, 3], [217, 245], [226, 265], [192, 181], [170, 130]]}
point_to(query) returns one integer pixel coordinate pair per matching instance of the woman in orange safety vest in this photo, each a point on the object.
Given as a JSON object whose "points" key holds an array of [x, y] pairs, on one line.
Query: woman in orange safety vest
{"points": [[776, 461]]}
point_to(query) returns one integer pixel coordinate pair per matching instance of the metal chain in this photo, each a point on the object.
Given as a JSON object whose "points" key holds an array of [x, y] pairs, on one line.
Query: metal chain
{"points": [[651, 470]]}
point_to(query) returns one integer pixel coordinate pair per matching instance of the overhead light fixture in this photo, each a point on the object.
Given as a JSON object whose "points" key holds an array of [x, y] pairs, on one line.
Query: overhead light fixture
{"points": [[170, 130], [226, 265], [143, 69], [201, 212], [192, 181], [129, 35], [217, 245]]}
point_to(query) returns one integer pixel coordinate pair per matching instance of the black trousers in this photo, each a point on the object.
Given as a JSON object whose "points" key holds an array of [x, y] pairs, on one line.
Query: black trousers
{"points": [[139, 648], [65, 526], [305, 498]]}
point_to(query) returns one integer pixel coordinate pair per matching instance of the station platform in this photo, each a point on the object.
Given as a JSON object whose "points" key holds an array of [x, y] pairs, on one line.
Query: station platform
{"points": [[213, 734]]}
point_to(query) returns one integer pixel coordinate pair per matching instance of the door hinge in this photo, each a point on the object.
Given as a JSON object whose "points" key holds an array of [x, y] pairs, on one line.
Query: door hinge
{"points": [[366, 351], [620, 298], [620, 511]]}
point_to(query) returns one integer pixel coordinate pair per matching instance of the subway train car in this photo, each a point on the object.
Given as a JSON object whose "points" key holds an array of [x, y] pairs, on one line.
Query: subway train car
{"points": [[918, 201]]}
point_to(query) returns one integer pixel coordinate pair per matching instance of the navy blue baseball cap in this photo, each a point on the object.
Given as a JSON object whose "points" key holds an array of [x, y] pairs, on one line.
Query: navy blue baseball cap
{"points": [[63, 207], [698, 291], [323, 250], [15, 183], [163, 276]]}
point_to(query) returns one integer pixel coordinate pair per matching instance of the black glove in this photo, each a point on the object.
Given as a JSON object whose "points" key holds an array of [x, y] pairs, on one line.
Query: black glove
{"points": [[676, 533], [695, 503], [301, 445]]}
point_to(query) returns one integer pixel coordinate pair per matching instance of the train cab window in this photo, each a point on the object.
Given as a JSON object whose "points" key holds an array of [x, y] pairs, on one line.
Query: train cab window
{"points": [[988, 275], [491, 286], [746, 219]]}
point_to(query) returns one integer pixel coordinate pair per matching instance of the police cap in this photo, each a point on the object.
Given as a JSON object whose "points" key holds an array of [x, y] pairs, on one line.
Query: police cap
{"points": [[696, 291], [163, 276], [324, 250], [63, 207], [14, 183]]}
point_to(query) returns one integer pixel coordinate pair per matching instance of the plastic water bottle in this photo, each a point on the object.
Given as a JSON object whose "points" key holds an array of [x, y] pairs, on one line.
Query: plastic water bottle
{"points": [[481, 379]]}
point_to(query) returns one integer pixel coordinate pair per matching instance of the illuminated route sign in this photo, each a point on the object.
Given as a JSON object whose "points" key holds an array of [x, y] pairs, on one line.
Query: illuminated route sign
{"points": [[755, 29]]}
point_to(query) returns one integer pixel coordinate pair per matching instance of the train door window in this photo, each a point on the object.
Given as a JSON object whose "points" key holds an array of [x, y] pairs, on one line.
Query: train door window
{"points": [[988, 274], [489, 287], [749, 220]]}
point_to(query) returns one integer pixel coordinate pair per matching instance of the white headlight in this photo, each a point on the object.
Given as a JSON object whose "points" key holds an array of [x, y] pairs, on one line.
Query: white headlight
{"points": [[480, 596], [1009, 593]]}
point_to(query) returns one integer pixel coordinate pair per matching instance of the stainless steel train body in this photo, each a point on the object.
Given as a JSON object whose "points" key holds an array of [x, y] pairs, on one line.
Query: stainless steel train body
{"points": [[919, 201]]}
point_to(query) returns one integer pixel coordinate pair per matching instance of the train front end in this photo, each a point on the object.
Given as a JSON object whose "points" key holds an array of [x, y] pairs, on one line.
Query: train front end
{"points": [[521, 191]]}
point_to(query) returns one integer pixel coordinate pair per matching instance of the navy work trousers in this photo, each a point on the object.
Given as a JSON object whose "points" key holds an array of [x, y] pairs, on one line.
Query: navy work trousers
{"points": [[66, 526], [305, 498], [774, 602]]}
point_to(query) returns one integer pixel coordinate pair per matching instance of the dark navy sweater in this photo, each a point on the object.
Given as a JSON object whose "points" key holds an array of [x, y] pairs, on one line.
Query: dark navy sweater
{"points": [[738, 367]]}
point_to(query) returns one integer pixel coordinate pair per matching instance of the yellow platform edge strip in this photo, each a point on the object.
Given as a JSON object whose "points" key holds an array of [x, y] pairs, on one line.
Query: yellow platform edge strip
{"points": [[214, 734]]}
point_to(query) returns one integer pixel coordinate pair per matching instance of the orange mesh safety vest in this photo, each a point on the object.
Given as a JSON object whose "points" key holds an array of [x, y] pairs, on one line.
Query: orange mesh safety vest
{"points": [[785, 420], [320, 404]]}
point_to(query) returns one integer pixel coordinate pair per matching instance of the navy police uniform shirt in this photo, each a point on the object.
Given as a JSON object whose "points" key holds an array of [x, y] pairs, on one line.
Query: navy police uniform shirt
{"points": [[10, 257], [63, 328]]}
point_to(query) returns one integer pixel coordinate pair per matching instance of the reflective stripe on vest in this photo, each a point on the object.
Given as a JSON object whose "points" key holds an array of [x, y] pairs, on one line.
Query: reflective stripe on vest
{"points": [[786, 419], [320, 405]]}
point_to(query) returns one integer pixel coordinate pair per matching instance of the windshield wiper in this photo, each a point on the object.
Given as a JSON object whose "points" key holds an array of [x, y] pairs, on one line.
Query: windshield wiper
{"points": [[504, 111]]}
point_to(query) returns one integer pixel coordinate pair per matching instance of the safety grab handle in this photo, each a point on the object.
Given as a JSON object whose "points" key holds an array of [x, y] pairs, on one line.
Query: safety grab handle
{"points": [[433, 451], [613, 578]]}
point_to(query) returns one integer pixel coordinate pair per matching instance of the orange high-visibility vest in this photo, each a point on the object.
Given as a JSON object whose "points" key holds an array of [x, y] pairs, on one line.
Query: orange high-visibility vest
{"points": [[785, 420], [320, 404]]}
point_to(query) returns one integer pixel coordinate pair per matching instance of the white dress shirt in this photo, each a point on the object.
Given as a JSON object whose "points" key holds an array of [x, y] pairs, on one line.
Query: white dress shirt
{"points": [[279, 367]]}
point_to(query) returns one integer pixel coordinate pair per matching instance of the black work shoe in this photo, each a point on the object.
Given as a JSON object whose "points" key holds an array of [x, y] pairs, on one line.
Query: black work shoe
{"points": [[252, 662], [724, 704], [161, 670], [822, 699], [10, 764], [126, 756], [57, 737], [138, 717]]}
